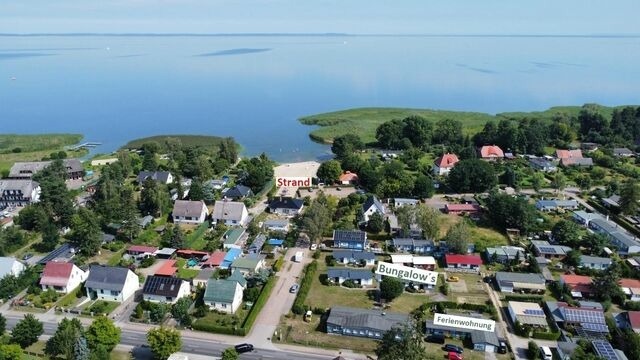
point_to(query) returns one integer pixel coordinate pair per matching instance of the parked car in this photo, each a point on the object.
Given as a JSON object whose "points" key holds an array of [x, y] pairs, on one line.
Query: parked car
{"points": [[545, 352], [27, 257], [294, 288], [452, 355], [243, 348], [502, 348], [436, 339], [314, 247], [453, 279], [453, 348]]}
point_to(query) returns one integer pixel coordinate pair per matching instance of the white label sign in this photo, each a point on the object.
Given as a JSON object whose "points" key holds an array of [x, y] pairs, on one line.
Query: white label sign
{"points": [[464, 322], [407, 273], [293, 181]]}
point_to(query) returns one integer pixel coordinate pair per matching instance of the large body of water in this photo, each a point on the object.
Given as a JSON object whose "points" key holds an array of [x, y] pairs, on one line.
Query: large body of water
{"points": [[116, 88]]}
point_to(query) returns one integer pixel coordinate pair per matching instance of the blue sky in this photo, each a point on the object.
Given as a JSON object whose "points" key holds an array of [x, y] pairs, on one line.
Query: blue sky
{"points": [[551, 17]]}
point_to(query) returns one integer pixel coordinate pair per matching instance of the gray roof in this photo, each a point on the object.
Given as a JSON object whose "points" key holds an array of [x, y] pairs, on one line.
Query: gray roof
{"points": [[238, 191], [107, 277], [613, 200], [205, 274], [508, 251], [160, 176], [146, 220], [25, 186], [541, 162], [276, 223], [228, 210], [258, 242], [484, 337], [187, 208], [364, 319], [594, 260], [27, 169], [401, 201], [356, 255], [510, 277], [622, 151], [349, 235], [411, 242], [346, 273], [556, 203], [286, 203], [373, 201], [544, 247]]}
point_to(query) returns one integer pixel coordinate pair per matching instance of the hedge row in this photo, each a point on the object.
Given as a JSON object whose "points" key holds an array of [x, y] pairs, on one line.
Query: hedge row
{"points": [[305, 285], [278, 264], [525, 298], [544, 335], [213, 328], [464, 306], [259, 304]]}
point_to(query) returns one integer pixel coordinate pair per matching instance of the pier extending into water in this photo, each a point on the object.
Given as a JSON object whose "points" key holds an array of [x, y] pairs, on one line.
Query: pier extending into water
{"points": [[88, 144]]}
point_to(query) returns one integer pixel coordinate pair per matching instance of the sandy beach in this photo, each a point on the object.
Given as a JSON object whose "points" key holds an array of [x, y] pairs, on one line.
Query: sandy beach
{"points": [[297, 169]]}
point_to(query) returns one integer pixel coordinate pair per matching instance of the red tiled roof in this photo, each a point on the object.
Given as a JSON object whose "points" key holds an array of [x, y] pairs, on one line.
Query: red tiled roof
{"points": [[463, 259], [447, 160], [349, 176], [142, 249], [215, 259], [634, 319], [629, 283], [578, 283], [188, 252], [56, 273], [462, 207], [167, 269], [491, 151], [566, 154]]}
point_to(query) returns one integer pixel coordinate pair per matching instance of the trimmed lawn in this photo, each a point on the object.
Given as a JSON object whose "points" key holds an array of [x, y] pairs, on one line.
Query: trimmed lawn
{"points": [[187, 274], [196, 240], [407, 302], [104, 307], [221, 319], [115, 257], [326, 296]]}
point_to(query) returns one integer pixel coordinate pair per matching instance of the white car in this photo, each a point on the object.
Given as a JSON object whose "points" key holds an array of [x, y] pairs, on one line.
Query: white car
{"points": [[314, 247]]}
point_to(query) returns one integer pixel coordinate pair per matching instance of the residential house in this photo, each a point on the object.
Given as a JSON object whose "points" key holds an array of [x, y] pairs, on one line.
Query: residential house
{"points": [[286, 206], [6, 222], [111, 283], [18, 192], [424, 262], [348, 178], [481, 340], [555, 205], [257, 244], [566, 349], [11, 266], [633, 319], [418, 246], [162, 289], [631, 288], [62, 277], [520, 282], [107, 238], [232, 254], [594, 262], [162, 177], [217, 184], [589, 146], [400, 202], [214, 260], [350, 239], [238, 277], [527, 313], [26, 170], [238, 192], [362, 322], [573, 157], [542, 164], [617, 235], [192, 254], [63, 253], [485, 341], [634, 262], [604, 350], [145, 221], [622, 152], [281, 225], [232, 237], [463, 262], [354, 257], [612, 202], [443, 165], [545, 249], [230, 213], [141, 251], [189, 212], [491, 153], [200, 281], [461, 209], [223, 295], [362, 277], [505, 254], [579, 285], [402, 259], [372, 205], [248, 265], [589, 322]]}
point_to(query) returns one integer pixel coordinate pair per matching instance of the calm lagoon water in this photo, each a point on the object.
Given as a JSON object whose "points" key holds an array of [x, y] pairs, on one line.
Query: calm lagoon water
{"points": [[116, 88]]}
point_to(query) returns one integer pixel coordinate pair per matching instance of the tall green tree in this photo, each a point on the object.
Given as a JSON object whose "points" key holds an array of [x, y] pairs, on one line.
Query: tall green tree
{"points": [[458, 237], [559, 181], [316, 220], [80, 349], [228, 150], [329, 171], [605, 284], [102, 333], [256, 172], [180, 311], [402, 342], [537, 181], [630, 197], [423, 187], [27, 331], [164, 342], [567, 232], [375, 223], [506, 211], [428, 219], [346, 145], [130, 226], [196, 191], [472, 176], [3, 324], [64, 339], [406, 216], [55, 198], [85, 232], [177, 238], [391, 288], [154, 198]]}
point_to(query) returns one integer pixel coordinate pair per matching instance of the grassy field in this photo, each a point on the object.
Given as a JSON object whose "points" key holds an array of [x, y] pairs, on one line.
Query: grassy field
{"points": [[15, 148], [209, 142], [364, 121]]}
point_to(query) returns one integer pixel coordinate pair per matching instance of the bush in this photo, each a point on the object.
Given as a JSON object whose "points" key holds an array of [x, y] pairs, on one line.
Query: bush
{"points": [[533, 351], [330, 260], [319, 310], [545, 335], [524, 298], [146, 262], [350, 284], [324, 279], [316, 254], [278, 264], [213, 328], [305, 286]]}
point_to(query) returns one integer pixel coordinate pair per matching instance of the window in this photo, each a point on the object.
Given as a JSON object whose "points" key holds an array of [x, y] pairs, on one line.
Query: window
{"points": [[101, 291], [115, 293], [168, 298]]}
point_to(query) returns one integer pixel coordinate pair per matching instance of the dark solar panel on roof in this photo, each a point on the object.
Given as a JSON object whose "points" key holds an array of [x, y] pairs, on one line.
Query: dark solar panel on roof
{"points": [[601, 328], [583, 316], [533, 312], [605, 350], [548, 250]]}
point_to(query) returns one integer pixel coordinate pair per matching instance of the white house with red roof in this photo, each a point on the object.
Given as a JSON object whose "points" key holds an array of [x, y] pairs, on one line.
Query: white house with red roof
{"points": [[444, 164], [631, 288], [141, 251], [62, 277], [463, 262], [491, 152], [348, 178], [579, 285]]}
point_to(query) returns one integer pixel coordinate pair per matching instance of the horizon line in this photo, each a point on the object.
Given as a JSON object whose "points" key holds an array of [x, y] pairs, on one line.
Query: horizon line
{"points": [[327, 34]]}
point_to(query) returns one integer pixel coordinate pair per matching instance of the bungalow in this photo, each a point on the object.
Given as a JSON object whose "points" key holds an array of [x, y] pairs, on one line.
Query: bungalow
{"points": [[400, 202], [26, 170], [424, 262], [238, 192], [62, 277], [231, 237], [612, 201], [161, 289], [579, 285], [238, 277], [573, 157], [594, 262], [248, 265], [354, 257], [487, 342], [542, 164], [145, 221], [622, 152], [214, 260], [223, 295], [633, 318], [619, 237], [230, 213], [63, 253], [505, 254], [189, 212], [554, 205], [162, 177], [167, 269], [276, 225], [257, 244], [444, 164], [350, 239], [520, 282], [18, 192], [568, 154], [200, 281], [589, 321], [631, 288], [362, 277], [527, 313], [372, 205], [544, 248], [462, 262], [348, 178], [402, 259], [286, 206], [192, 254], [461, 209], [111, 283], [216, 184], [421, 246], [491, 153], [11, 266], [362, 322], [141, 251]]}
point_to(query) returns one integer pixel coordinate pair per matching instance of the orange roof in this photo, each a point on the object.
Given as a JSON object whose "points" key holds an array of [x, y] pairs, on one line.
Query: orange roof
{"points": [[349, 176], [167, 269], [630, 283], [491, 151], [566, 154], [447, 160], [579, 283], [215, 259]]}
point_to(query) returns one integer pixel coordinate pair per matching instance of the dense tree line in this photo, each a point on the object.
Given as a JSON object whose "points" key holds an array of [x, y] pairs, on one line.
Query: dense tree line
{"points": [[255, 172]]}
